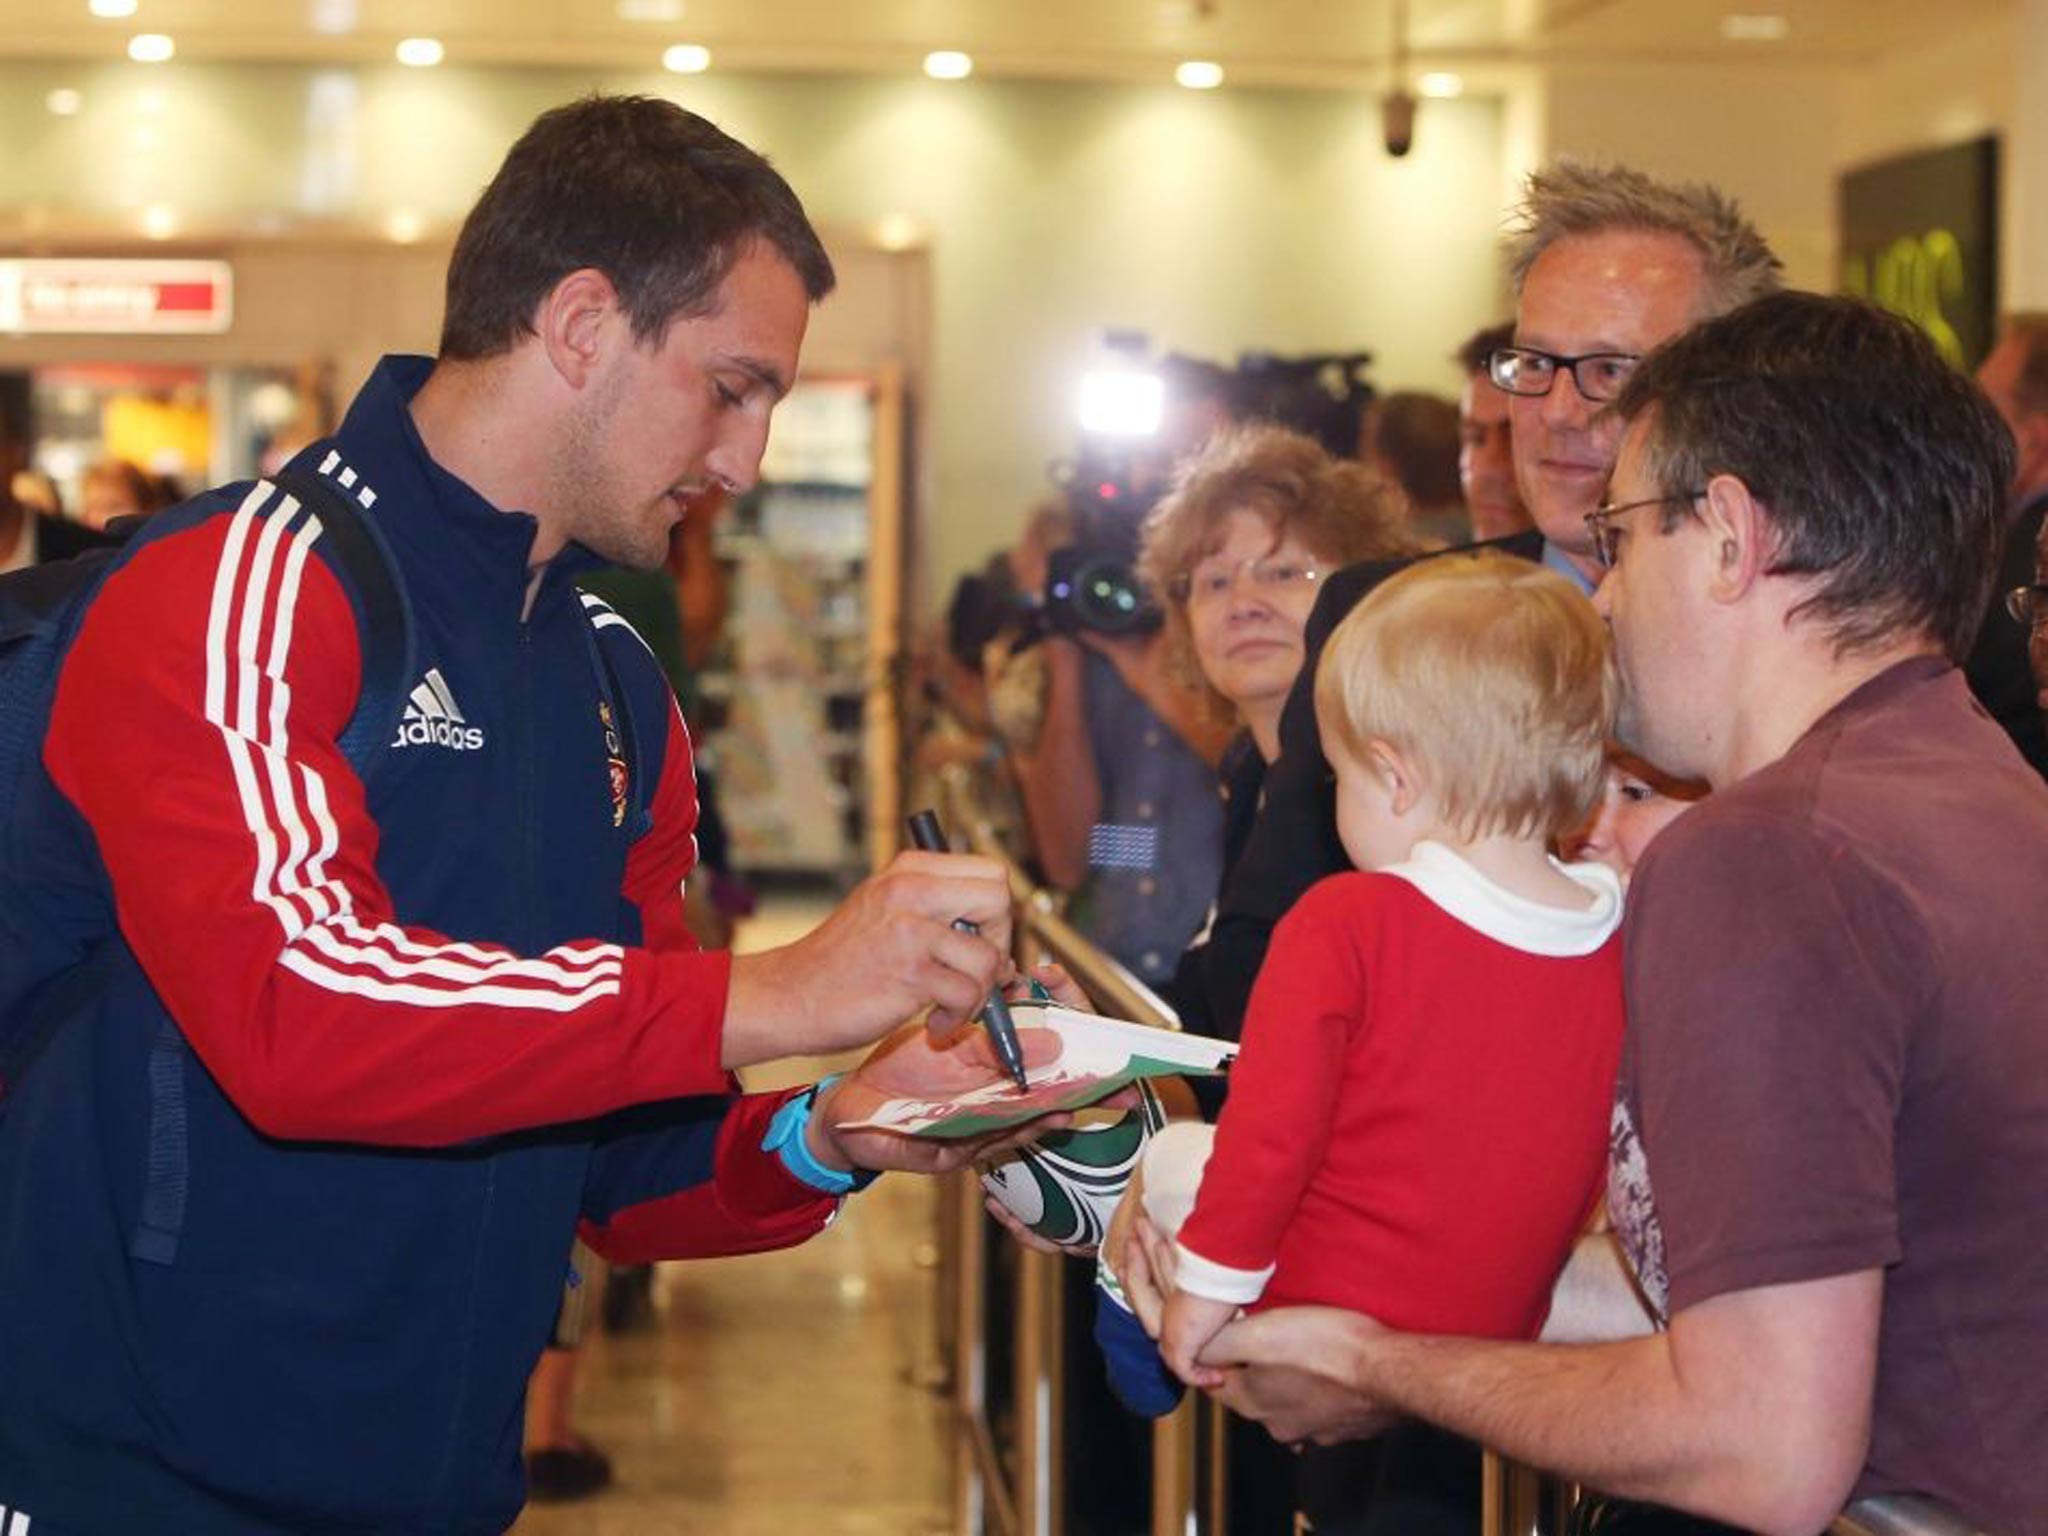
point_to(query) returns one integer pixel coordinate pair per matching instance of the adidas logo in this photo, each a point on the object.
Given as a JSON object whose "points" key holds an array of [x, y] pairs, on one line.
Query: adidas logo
{"points": [[433, 719]]}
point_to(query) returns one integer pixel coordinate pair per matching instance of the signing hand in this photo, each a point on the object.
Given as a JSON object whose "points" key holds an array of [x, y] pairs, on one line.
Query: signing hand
{"points": [[887, 952]]}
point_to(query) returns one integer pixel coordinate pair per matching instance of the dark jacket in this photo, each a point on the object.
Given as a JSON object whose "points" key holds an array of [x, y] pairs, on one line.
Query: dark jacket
{"points": [[279, 1239]]}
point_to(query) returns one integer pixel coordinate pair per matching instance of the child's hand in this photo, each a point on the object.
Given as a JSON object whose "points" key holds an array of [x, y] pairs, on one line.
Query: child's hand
{"points": [[1185, 1331]]}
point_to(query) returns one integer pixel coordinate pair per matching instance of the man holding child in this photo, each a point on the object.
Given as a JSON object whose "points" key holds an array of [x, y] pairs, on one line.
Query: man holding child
{"points": [[1831, 1136]]}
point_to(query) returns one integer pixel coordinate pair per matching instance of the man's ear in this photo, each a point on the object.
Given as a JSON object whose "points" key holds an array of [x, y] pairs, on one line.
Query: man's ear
{"points": [[1739, 538], [576, 321]]}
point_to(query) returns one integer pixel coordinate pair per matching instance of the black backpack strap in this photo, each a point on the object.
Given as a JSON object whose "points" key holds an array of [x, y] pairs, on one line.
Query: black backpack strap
{"points": [[358, 552]]}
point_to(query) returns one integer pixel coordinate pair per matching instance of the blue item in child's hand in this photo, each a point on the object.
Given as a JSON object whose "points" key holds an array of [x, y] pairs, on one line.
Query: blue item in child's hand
{"points": [[1137, 1372]]}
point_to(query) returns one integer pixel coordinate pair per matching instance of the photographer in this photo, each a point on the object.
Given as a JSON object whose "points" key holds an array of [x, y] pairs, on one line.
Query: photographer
{"points": [[1119, 788]]}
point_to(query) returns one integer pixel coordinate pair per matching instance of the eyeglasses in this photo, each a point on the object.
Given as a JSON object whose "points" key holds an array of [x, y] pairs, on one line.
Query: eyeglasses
{"points": [[1270, 575], [2028, 605], [1598, 376], [1607, 539]]}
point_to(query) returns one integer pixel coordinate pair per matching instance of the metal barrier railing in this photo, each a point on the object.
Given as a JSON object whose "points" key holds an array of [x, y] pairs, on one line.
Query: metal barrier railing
{"points": [[1024, 1498]]}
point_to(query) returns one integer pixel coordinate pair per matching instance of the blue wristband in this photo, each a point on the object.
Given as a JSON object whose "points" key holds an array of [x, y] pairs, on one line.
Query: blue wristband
{"points": [[785, 1139]]}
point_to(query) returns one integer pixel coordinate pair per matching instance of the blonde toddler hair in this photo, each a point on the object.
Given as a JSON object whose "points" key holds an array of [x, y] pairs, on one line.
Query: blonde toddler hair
{"points": [[1491, 675]]}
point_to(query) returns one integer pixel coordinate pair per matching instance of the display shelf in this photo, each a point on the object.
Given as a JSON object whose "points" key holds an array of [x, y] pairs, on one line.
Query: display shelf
{"points": [[799, 725]]}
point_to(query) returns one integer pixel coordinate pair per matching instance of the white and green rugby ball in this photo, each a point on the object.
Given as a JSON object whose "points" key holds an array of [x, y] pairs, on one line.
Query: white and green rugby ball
{"points": [[1065, 1186]]}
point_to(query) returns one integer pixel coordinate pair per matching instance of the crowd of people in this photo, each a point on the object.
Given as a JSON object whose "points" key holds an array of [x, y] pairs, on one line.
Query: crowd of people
{"points": [[1658, 845], [1815, 546]]}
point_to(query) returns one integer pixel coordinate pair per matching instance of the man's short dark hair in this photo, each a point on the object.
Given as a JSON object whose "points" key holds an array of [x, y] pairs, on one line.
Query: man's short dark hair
{"points": [[654, 197], [1415, 437], [1883, 469], [1481, 345]]}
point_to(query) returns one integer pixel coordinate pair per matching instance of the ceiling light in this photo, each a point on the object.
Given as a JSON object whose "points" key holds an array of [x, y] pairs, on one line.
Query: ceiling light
{"points": [[159, 222], [1754, 28], [111, 10], [150, 48], [947, 64], [1441, 84], [421, 52], [332, 18], [686, 59], [1199, 74], [65, 102], [650, 10], [898, 232], [402, 226]]}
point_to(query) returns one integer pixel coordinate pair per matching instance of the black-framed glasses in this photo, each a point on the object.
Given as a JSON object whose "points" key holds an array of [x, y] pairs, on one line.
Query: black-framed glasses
{"points": [[2029, 604], [1607, 538], [1598, 376]]}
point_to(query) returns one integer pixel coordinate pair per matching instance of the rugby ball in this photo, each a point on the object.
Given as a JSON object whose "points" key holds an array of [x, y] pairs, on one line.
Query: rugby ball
{"points": [[1065, 1186]]}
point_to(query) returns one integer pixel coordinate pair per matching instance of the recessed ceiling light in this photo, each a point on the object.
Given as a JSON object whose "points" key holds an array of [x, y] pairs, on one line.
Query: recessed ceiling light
{"points": [[1441, 84], [650, 10], [332, 18], [898, 232], [402, 226], [686, 59], [1199, 74], [421, 52], [111, 10], [65, 102], [948, 64], [159, 221], [1754, 28], [150, 48]]}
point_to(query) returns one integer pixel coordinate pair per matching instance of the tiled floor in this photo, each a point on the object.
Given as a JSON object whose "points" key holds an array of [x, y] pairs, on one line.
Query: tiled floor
{"points": [[782, 1393]]}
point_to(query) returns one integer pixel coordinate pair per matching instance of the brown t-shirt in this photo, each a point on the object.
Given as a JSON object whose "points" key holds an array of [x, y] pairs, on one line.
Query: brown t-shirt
{"points": [[1837, 1060]]}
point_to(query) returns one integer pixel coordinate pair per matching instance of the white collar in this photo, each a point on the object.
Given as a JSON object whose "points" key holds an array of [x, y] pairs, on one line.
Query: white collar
{"points": [[1535, 927]]}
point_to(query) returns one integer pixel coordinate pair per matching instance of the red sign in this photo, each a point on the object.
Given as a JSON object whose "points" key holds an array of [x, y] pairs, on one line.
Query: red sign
{"points": [[129, 298]]}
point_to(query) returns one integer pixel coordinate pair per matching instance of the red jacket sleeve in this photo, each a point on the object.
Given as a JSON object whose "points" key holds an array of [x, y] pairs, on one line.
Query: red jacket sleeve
{"points": [[744, 1201], [195, 729], [1284, 1085], [660, 862]]}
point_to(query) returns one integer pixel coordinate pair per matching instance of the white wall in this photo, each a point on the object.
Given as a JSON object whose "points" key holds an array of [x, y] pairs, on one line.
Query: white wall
{"points": [[1766, 135]]}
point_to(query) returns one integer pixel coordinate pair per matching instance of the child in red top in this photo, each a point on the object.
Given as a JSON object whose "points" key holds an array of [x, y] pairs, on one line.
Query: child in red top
{"points": [[1417, 1125]]}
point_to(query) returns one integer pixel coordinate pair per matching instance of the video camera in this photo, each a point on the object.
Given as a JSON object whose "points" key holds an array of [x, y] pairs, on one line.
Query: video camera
{"points": [[1123, 467]]}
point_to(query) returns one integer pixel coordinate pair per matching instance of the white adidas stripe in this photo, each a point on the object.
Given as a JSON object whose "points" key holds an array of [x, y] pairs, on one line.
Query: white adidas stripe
{"points": [[278, 797], [604, 616], [443, 966], [417, 996]]}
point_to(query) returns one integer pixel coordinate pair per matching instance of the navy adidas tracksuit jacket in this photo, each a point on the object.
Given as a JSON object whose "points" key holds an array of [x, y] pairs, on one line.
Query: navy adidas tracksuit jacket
{"points": [[277, 1247]]}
